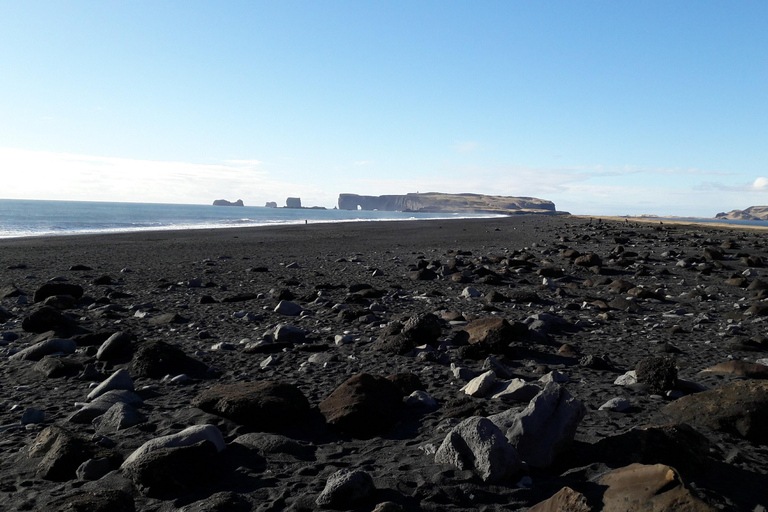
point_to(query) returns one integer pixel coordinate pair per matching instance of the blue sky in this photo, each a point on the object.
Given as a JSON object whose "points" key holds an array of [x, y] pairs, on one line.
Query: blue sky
{"points": [[602, 107]]}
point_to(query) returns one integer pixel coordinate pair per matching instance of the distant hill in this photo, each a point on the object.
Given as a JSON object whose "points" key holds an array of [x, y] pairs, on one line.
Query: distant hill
{"points": [[751, 213], [438, 202]]}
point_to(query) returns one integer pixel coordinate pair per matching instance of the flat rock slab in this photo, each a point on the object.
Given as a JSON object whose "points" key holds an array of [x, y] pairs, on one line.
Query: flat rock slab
{"points": [[739, 408], [264, 405]]}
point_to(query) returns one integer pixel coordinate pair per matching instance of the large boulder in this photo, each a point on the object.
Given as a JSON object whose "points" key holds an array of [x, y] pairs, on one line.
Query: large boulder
{"points": [[363, 406], [62, 453], [565, 500], [156, 359], [264, 405], [648, 488], [477, 444], [739, 408], [658, 373], [345, 489], [546, 427]]}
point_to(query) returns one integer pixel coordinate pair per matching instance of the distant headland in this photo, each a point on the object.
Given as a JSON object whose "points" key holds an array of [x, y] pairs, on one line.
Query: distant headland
{"points": [[435, 202], [751, 213]]}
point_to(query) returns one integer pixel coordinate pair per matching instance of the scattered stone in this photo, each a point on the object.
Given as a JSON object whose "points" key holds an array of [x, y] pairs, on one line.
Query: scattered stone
{"points": [[115, 347], [480, 385], [288, 308], [740, 368], [119, 416], [617, 404], [47, 319], [156, 359], [565, 500], [45, 348], [121, 379], [51, 289]]}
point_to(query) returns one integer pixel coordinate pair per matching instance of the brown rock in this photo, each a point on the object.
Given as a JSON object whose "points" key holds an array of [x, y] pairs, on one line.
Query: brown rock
{"points": [[739, 408], [655, 488], [264, 405], [363, 406], [740, 368], [660, 373], [494, 333], [566, 500]]}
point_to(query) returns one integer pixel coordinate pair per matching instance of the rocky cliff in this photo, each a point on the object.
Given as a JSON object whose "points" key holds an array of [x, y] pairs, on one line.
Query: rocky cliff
{"points": [[751, 213], [437, 202]]}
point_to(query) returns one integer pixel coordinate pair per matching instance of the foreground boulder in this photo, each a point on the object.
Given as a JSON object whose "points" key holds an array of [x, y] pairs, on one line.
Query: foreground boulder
{"points": [[264, 405], [739, 408], [62, 453], [546, 427], [421, 329], [53, 289], [494, 334], [477, 444], [648, 488], [363, 406], [566, 500], [345, 489], [47, 319], [658, 373], [39, 350]]}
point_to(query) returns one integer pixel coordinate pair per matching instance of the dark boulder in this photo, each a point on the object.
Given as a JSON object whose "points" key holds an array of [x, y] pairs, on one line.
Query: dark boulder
{"points": [[51, 289], [156, 359]]}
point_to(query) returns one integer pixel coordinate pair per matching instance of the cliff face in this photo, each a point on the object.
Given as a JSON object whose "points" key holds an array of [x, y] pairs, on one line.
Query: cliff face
{"points": [[751, 213], [436, 202]]}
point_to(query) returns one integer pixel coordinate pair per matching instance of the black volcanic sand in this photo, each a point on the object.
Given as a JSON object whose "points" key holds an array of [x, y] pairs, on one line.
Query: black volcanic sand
{"points": [[695, 317]]}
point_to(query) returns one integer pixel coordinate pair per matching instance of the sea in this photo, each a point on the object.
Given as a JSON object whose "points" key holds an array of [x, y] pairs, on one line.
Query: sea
{"points": [[30, 218]]}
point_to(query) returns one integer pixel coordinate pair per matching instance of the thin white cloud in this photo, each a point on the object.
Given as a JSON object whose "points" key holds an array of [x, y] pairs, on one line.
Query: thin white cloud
{"points": [[66, 176], [466, 146], [363, 162]]}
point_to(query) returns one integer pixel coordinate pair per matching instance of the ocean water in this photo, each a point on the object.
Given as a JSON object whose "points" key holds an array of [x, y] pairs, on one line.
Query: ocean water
{"points": [[25, 218]]}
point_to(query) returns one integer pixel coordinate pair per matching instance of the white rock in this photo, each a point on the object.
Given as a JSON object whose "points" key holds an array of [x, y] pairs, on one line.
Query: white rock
{"points": [[480, 385], [617, 404], [187, 437], [469, 291], [627, 379], [121, 379]]}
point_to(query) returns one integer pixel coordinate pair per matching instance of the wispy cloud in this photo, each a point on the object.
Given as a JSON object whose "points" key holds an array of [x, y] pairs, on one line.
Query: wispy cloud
{"points": [[466, 146], [51, 175]]}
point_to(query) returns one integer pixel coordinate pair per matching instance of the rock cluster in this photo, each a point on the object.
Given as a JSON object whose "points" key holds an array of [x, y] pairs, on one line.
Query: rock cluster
{"points": [[529, 363]]}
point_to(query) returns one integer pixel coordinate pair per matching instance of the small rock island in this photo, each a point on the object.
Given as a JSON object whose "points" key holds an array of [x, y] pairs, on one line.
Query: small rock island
{"points": [[224, 202], [435, 202]]}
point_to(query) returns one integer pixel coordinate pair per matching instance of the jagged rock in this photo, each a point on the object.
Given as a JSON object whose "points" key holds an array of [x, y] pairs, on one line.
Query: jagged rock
{"points": [[420, 329], [479, 445], [288, 308], [264, 405], [546, 427], [362, 406], [345, 489], [739, 408], [659, 373], [648, 488]]}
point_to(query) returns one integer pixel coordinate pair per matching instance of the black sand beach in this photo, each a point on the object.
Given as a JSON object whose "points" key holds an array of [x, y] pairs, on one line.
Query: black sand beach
{"points": [[252, 330]]}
